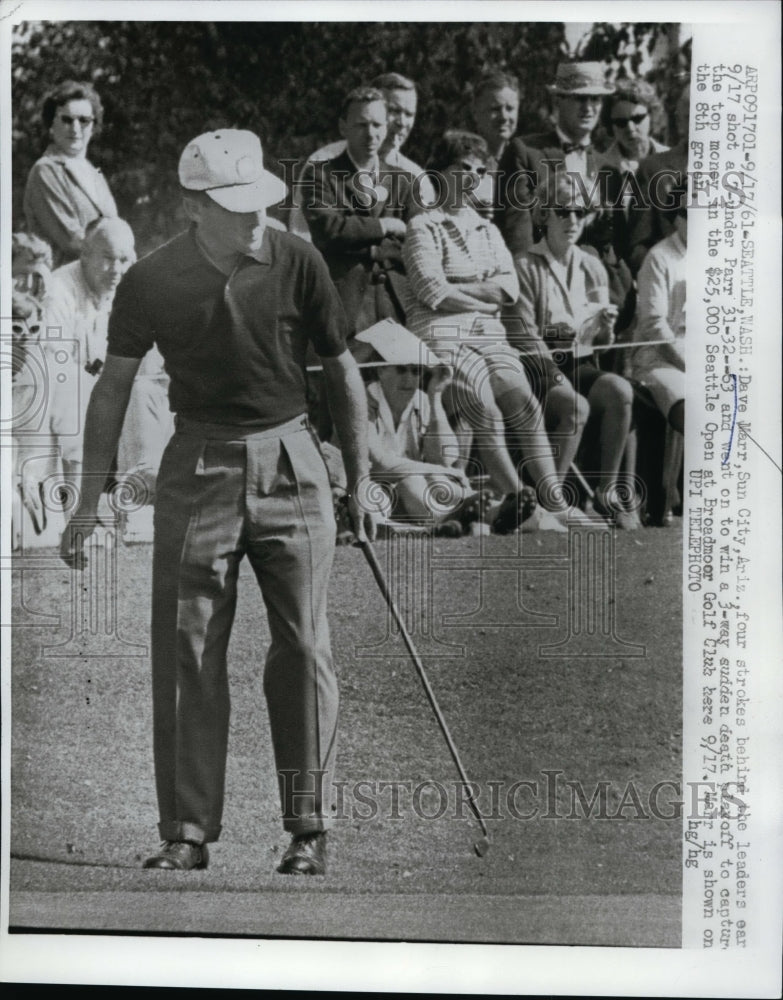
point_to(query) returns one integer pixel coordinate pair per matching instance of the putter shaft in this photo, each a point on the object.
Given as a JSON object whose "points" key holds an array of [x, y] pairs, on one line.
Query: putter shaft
{"points": [[384, 588]]}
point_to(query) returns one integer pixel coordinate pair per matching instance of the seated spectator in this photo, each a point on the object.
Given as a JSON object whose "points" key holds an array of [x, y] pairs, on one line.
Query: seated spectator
{"points": [[78, 305], [656, 175], [29, 462], [413, 450], [32, 459], [31, 265], [495, 110], [565, 296], [628, 114], [64, 190], [661, 317], [401, 104], [578, 91], [357, 214], [460, 278]]}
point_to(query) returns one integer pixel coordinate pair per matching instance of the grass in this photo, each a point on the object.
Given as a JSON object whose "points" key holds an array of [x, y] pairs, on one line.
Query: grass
{"points": [[83, 806]]}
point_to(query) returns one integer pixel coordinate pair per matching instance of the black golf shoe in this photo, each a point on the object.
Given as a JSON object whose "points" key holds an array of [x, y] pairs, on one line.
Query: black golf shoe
{"points": [[306, 855], [179, 855]]}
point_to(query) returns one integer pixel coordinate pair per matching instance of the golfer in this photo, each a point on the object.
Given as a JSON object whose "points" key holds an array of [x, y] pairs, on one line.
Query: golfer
{"points": [[232, 306]]}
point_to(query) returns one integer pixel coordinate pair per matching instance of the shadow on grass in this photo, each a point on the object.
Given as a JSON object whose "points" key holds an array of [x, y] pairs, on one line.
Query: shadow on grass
{"points": [[72, 862]]}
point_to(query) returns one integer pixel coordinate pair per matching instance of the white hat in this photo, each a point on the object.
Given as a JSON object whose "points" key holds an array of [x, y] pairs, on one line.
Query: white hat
{"points": [[397, 345], [229, 166]]}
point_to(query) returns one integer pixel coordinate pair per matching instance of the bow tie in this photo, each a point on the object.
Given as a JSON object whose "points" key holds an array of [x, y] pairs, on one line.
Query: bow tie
{"points": [[575, 147]]}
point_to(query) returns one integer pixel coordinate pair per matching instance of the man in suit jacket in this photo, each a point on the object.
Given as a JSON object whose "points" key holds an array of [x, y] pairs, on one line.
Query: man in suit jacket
{"points": [[495, 111], [357, 207], [579, 90], [658, 173], [401, 105]]}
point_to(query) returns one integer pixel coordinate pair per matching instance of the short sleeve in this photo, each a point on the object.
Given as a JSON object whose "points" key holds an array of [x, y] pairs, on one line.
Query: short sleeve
{"points": [[327, 326], [131, 330]]}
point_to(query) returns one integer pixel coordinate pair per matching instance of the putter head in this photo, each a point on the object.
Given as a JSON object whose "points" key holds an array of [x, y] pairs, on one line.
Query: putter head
{"points": [[481, 846]]}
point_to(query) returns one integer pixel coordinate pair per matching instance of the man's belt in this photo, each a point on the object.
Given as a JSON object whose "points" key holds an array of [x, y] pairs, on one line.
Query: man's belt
{"points": [[230, 432]]}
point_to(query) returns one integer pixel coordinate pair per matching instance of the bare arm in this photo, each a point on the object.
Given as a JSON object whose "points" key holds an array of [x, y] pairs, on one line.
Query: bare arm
{"points": [[653, 312], [103, 425], [348, 406], [440, 444]]}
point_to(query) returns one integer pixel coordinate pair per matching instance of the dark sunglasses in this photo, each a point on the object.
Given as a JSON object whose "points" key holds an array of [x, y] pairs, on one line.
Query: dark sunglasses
{"points": [[478, 171], [407, 369], [31, 329], [564, 213], [83, 120], [623, 122]]}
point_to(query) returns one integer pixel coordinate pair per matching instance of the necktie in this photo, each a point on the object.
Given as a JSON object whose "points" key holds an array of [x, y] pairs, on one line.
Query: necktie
{"points": [[575, 147]]}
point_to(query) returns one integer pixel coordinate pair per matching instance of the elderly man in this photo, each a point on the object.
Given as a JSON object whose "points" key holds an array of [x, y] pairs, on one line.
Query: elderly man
{"points": [[401, 100], [233, 307], [579, 90], [358, 211], [76, 312]]}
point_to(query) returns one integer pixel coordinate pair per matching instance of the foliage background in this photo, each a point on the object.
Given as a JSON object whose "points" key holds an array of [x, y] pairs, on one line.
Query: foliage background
{"points": [[164, 82]]}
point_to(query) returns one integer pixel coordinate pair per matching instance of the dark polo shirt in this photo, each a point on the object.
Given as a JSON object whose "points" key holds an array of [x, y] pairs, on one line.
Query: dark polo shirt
{"points": [[234, 346]]}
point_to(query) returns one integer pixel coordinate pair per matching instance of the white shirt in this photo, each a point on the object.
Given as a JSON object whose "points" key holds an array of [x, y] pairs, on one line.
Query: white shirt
{"points": [[660, 307], [76, 336], [76, 325], [613, 156], [388, 442], [576, 160]]}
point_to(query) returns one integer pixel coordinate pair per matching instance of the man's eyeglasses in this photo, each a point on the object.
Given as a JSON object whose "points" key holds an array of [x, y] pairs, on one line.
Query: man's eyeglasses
{"points": [[565, 213], [407, 369], [84, 120], [623, 122]]}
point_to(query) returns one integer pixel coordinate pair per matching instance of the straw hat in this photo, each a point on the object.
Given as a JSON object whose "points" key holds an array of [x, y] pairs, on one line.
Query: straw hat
{"points": [[576, 78], [397, 345]]}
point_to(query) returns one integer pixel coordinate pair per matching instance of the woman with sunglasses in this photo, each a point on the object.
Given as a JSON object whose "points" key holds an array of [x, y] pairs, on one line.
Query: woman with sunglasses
{"points": [[565, 297], [629, 116], [461, 281], [64, 190]]}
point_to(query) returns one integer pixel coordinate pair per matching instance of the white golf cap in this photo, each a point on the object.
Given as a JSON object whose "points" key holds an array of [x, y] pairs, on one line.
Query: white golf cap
{"points": [[229, 166], [397, 345]]}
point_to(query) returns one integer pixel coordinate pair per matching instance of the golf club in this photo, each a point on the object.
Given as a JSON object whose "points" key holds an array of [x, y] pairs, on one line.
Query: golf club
{"points": [[482, 845]]}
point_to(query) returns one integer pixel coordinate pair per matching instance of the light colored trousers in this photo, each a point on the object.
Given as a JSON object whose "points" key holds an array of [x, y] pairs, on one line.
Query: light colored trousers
{"points": [[224, 493]]}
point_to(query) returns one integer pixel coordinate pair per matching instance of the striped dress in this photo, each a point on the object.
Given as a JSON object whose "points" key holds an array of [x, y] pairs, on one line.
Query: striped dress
{"points": [[441, 250]]}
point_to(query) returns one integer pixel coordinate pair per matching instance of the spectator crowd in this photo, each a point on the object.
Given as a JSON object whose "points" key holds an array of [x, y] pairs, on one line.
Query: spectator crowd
{"points": [[517, 305]]}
